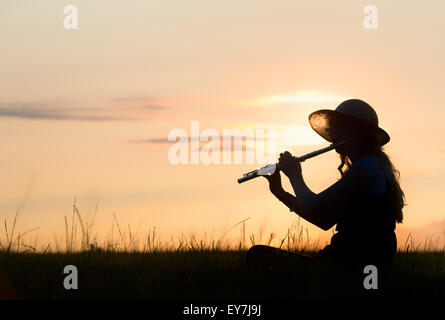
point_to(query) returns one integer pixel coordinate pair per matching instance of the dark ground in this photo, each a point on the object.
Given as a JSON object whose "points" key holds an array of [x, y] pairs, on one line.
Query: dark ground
{"points": [[212, 275]]}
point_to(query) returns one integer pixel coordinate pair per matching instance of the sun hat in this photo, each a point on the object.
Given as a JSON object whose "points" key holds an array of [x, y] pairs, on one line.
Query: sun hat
{"points": [[353, 112]]}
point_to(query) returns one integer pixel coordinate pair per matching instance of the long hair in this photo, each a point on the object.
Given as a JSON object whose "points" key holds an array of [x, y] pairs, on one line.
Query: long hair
{"points": [[397, 195]]}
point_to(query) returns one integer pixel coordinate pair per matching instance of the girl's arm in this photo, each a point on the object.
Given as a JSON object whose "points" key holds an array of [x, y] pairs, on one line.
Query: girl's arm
{"points": [[289, 200], [321, 209]]}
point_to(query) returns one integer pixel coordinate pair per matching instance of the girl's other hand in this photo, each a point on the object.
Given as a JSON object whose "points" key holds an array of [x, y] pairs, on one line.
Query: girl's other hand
{"points": [[275, 183]]}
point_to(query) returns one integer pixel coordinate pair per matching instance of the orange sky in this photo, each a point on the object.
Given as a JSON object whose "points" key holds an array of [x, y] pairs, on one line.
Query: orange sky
{"points": [[78, 108]]}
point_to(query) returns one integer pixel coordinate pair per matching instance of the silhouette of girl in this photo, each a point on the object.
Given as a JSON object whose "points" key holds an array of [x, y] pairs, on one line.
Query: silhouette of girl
{"points": [[365, 203]]}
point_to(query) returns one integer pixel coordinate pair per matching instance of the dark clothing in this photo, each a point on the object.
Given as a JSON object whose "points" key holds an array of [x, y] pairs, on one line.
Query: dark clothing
{"points": [[365, 230], [365, 233]]}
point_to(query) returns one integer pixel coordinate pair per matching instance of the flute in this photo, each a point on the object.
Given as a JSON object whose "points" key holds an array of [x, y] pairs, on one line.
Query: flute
{"points": [[270, 169]]}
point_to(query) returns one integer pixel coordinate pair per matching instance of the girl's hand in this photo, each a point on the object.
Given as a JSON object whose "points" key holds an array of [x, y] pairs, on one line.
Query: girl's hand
{"points": [[275, 183], [290, 167]]}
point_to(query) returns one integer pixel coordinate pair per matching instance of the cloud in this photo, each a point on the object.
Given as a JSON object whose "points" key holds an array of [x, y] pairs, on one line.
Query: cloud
{"points": [[40, 111], [31, 111], [136, 99], [189, 139], [154, 141], [222, 148], [305, 96], [152, 107], [284, 136], [231, 148]]}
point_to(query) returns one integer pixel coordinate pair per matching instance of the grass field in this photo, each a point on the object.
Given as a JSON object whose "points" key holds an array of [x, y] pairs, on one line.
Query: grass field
{"points": [[211, 275], [127, 266]]}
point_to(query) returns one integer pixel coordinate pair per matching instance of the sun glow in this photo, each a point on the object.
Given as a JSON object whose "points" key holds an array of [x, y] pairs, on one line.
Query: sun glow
{"points": [[293, 135], [288, 135]]}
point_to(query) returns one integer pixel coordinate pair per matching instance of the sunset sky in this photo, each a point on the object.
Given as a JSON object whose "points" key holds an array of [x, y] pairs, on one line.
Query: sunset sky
{"points": [[86, 113]]}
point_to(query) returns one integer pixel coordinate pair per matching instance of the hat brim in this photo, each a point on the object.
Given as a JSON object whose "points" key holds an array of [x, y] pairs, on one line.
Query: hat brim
{"points": [[322, 122]]}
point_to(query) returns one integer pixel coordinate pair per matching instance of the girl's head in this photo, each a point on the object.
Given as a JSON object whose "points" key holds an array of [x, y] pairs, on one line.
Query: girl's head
{"points": [[356, 121]]}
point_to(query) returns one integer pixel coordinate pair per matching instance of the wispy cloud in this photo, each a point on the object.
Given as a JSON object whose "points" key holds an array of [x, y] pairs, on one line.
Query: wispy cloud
{"points": [[190, 139], [136, 99], [304, 96], [154, 141], [151, 107], [37, 111], [221, 147], [283, 135], [49, 111]]}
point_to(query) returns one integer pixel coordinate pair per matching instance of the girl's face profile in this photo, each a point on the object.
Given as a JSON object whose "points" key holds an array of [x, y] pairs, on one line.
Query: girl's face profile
{"points": [[339, 133], [342, 132]]}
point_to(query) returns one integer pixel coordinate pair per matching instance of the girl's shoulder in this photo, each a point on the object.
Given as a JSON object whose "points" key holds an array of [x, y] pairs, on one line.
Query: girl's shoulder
{"points": [[375, 174], [369, 161]]}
